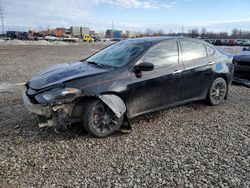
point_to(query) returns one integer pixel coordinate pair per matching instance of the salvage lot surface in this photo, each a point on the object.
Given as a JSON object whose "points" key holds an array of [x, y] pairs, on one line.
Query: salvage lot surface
{"points": [[190, 145]]}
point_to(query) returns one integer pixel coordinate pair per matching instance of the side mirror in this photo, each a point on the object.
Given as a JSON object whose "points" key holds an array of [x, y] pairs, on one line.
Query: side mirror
{"points": [[145, 66], [244, 49]]}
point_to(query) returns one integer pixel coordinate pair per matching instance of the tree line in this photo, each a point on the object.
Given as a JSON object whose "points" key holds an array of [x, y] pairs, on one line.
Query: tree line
{"points": [[203, 33]]}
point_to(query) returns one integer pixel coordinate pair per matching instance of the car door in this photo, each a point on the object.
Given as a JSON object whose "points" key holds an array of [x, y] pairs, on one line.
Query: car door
{"points": [[156, 89], [198, 69]]}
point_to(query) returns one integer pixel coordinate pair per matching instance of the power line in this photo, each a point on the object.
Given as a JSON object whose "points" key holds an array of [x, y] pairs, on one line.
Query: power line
{"points": [[1, 14], [112, 30]]}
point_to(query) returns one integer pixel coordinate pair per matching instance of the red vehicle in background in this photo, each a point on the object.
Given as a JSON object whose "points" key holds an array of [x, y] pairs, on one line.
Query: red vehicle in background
{"points": [[231, 42]]}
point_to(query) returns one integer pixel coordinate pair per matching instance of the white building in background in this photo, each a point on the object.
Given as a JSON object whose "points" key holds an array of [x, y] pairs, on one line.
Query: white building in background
{"points": [[130, 34], [79, 31]]}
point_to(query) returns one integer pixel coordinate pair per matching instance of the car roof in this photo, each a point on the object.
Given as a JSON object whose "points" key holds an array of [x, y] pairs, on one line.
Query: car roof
{"points": [[162, 38], [151, 39]]}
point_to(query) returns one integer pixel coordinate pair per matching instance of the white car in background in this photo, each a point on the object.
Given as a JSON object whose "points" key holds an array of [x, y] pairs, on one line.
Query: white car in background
{"points": [[70, 39], [246, 43], [239, 42], [51, 38], [40, 38]]}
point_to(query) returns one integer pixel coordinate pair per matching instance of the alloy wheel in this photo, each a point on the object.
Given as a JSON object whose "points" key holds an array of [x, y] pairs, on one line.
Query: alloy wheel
{"points": [[104, 121], [218, 91]]}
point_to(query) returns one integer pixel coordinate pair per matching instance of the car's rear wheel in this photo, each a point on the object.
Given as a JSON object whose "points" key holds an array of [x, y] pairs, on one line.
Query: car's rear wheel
{"points": [[99, 120], [217, 91]]}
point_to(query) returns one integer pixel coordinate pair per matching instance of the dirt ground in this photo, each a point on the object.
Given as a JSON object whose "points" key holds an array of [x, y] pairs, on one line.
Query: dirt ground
{"points": [[193, 145]]}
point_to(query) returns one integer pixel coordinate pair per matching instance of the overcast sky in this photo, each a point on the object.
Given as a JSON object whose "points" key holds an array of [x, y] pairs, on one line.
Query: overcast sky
{"points": [[169, 15]]}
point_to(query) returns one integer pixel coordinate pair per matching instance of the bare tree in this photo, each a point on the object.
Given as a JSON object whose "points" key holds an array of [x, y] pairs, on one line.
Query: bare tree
{"points": [[193, 33], [203, 32], [235, 33], [149, 32], [223, 35]]}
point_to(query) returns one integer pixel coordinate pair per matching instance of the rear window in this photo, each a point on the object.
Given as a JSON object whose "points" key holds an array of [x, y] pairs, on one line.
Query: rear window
{"points": [[193, 50]]}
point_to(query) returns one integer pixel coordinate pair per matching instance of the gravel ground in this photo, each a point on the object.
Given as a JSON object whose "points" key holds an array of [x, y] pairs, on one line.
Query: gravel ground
{"points": [[192, 145]]}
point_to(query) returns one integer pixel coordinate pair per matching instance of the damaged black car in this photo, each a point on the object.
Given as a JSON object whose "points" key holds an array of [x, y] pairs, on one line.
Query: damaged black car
{"points": [[128, 79]]}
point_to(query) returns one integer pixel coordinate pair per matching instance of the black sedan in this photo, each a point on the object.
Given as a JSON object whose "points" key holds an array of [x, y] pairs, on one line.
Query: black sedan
{"points": [[128, 79]]}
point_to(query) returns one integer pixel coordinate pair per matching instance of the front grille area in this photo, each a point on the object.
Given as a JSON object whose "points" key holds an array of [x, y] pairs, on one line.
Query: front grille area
{"points": [[31, 97], [33, 100], [242, 63]]}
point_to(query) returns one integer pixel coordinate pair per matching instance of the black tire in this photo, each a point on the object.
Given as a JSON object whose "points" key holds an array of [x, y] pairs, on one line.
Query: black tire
{"points": [[217, 92], [99, 120]]}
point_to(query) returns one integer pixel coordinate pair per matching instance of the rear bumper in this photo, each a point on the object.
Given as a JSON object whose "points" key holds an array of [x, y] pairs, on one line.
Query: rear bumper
{"points": [[35, 108]]}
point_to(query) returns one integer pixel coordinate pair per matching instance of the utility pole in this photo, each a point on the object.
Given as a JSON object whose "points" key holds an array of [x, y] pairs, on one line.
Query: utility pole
{"points": [[182, 30], [113, 28], [1, 14]]}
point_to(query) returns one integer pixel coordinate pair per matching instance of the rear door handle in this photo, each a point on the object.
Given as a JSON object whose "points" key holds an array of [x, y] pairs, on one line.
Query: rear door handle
{"points": [[177, 72], [211, 63]]}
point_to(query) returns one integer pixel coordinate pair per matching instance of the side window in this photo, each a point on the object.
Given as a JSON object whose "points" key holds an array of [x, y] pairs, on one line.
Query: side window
{"points": [[193, 50], [165, 53], [210, 50]]}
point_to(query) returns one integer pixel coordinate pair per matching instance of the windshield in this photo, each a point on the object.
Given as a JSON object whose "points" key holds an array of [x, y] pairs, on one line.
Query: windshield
{"points": [[120, 54]]}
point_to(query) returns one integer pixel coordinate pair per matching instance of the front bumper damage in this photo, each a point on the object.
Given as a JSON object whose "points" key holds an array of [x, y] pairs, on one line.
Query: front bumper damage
{"points": [[60, 115], [35, 108], [56, 115]]}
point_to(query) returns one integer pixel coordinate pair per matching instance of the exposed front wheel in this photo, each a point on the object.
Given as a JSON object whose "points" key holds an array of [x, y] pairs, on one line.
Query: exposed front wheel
{"points": [[99, 120], [217, 92]]}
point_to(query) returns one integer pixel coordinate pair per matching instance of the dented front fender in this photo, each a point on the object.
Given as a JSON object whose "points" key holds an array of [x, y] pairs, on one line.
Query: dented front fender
{"points": [[115, 103]]}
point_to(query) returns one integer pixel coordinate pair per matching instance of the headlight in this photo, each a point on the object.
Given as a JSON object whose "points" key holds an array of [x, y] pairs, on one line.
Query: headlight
{"points": [[57, 94]]}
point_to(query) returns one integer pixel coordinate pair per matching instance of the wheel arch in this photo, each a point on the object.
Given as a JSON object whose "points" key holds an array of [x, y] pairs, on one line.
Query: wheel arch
{"points": [[114, 102], [224, 76]]}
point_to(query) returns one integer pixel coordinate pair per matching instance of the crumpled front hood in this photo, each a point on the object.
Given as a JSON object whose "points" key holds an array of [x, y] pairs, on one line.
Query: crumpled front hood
{"points": [[64, 72]]}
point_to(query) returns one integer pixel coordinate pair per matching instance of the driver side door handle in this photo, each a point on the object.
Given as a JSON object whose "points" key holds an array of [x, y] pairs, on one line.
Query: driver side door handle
{"points": [[211, 63]]}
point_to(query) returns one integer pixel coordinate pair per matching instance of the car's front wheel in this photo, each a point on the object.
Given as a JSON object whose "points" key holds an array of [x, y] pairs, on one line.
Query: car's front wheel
{"points": [[217, 91], [99, 120]]}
